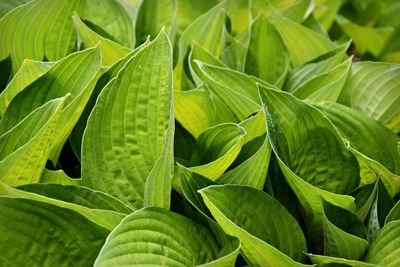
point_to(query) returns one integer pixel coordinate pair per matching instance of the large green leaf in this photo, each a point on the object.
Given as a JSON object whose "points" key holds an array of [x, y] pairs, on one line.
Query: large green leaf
{"points": [[373, 88], [257, 221], [111, 51], [189, 10], [198, 109], [34, 233], [344, 233], [239, 13], [218, 147], [106, 218], [302, 43], [132, 136], [366, 39], [78, 195], [365, 134], [325, 11], [113, 18], [38, 30], [267, 56], [58, 177], [8, 5], [207, 31], [296, 10], [286, 131], [385, 249], [26, 147], [309, 144], [153, 236], [394, 213], [76, 75], [238, 90], [29, 72]]}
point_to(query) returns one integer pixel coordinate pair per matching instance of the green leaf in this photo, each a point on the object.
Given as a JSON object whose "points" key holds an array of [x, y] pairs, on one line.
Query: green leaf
{"points": [[325, 11], [78, 195], [296, 10], [373, 88], [26, 147], [197, 109], [235, 49], [311, 81], [365, 134], [385, 249], [111, 51], [33, 233], [218, 147], [238, 90], [40, 29], [239, 13], [154, 236], [153, 16], [332, 261], [207, 31], [265, 240], [58, 177], [302, 43], [309, 144], [394, 213], [75, 74], [29, 72], [113, 18], [254, 156], [189, 10], [366, 39], [283, 127], [365, 197], [105, 218], [119, 160], [267, 56], [344, 233], [8, 5]]}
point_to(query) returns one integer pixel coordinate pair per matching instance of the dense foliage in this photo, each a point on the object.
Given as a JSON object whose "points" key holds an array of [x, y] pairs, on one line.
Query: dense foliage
{"points": [[193, 132]]}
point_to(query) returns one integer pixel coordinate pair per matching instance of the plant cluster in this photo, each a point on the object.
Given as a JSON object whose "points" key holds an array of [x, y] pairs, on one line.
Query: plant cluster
{"points": [[199, 133]]}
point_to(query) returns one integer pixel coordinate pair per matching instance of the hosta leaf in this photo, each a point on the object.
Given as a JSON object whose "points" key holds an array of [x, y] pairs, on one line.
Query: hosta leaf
{"points": [[302, 43], [200, 54], [267, 56], [385, 249], [326, 86], [40, 234], [218, 147], [105, 218], [207, 31], [113, 19], [107, 75], [191, 9], [239, 13], [344, 233], [58, 177], [309, 194], [235, 50], [309, 144], [236, 89], [254, 157], [332, 261], [303, 74], [373, 88], [78, 195], [29, 72], [78, 77], [22, 162], [153, 236], [365, 134], [366, 39], [365, 197], [45, 31], [133, 136], [265, 240], [197, 109], [296, 10], [325, 11], [254, 126], [153, 15], [8, 5], [394, 213], [111, 51]]}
